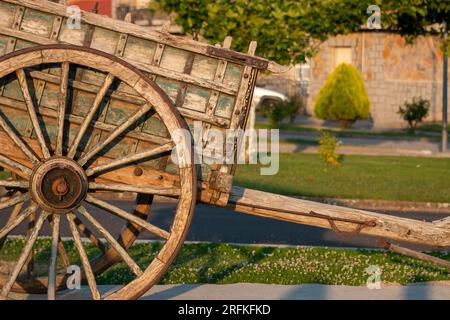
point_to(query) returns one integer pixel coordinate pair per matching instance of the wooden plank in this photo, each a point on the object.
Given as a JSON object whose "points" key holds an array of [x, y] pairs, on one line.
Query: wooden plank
{"points": [[147, 67], [145, 33], [18, 16], [79, 120], [348, 220]]}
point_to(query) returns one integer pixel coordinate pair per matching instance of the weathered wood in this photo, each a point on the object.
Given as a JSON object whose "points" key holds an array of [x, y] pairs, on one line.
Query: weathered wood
{"points": [[88, 119], [24, 256], [51, 290], [14, 214], [114, 134], [130, 159], [415, 254], [15, 200], [79, 120], [32, 111], [169, 192], [90, 235], [84, 257], [65, 68], [18, 16], [338, 218], [184, 183], [443, 223], [21, 169], [120, 26], [127, 216], [61, 249], [18, 141], [15, 184], [114, 243], [18, 220]]}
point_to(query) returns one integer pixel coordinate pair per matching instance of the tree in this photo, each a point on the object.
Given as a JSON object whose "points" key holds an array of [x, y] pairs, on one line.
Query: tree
{"points": [[289, 31], [343, 97]]}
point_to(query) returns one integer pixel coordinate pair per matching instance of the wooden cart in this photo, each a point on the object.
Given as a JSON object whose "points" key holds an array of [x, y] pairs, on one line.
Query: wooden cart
{"points": [[98, 107]]}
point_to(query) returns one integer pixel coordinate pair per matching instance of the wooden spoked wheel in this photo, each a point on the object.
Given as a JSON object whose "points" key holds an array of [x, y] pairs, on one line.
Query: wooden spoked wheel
{"points": [[96, 136]]}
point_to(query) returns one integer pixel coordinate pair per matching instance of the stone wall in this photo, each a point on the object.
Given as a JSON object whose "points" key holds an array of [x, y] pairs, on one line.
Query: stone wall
{"points": [[393, 71]]}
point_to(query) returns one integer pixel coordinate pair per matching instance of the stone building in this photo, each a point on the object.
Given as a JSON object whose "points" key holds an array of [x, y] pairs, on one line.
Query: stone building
{"points": [[393, 71]]}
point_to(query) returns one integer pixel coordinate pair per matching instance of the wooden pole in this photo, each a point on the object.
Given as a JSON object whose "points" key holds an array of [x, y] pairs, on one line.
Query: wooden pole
{"points": [[415, 254], [339, 219], [445, 95]]}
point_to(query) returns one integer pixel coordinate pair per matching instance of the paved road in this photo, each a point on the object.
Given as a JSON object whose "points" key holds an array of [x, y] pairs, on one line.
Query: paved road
{"points": [[249, 291], [213, 224], [367, 145]]}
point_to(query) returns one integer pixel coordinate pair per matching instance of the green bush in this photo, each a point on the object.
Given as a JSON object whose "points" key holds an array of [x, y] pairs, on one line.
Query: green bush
{"points": [[414, 112], [343, 97], [293, 106], [328, 149], [277, 111]]}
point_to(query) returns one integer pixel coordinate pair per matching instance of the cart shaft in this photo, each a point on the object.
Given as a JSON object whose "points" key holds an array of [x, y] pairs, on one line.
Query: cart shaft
{"points": [[340, 219]]}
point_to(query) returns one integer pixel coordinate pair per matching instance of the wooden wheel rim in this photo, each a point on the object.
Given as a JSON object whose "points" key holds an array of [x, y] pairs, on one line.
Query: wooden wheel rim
{"points": [[145, 87]]}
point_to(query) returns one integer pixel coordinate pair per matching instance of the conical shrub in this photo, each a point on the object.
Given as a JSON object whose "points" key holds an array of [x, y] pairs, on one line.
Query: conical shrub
{"points": [[343, 97]]}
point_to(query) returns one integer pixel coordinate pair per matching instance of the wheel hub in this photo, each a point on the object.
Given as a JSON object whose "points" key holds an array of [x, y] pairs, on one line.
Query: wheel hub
{"points": [[58, 185]]}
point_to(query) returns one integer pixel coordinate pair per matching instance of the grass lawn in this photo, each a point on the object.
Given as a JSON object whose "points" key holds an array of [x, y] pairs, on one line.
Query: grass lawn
{"points": [[428, 131], [359, 177], [224, 263], [4, 174]]}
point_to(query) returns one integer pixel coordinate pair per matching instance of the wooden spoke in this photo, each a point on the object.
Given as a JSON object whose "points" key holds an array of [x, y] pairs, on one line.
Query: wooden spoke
{"points": [[91, 236], [84, 126], [16, 139], [13, 223], [17, 209], [15, 200], [13, 165], [131, 159], [15, 184], [114, 134], [128, 216], [51, 289], [170, 192], [24, 256], [84, 257], [21, 76], [30, 260], [61, 249], [116, 246], [65, 68]]}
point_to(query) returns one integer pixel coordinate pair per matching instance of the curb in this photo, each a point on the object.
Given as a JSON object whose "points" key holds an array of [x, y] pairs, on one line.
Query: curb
{"points": [[362, 204], [385, 205]]}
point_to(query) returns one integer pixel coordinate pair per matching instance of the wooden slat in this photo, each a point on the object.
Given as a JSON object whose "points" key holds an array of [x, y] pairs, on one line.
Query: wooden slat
{"points": [[131, 29], [57, 23], [79, 120], [143, 66], [18, 17]]}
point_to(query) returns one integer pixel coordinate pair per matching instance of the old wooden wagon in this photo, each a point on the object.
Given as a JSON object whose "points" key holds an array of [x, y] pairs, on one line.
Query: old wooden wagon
{"points": [[97, 107]]}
